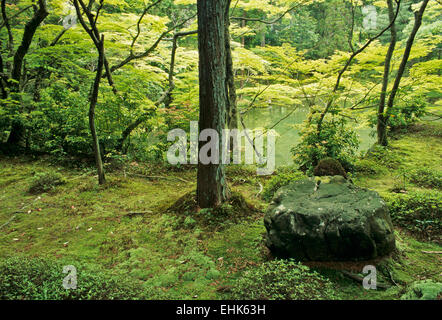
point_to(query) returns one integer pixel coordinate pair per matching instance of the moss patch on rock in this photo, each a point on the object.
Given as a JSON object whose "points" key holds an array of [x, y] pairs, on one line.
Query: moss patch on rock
{"points": [[329, 167]]}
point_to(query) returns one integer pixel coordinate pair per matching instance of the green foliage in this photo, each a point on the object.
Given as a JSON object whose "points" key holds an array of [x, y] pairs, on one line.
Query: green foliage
{"points": [[291, 63], [424, 290], [282, 280], [336, 140], [284, 176], [46, 181], [403, 116], [368, 167], [419, 212], [383, 156], [427, 178], [404, 113], [41, 279]]}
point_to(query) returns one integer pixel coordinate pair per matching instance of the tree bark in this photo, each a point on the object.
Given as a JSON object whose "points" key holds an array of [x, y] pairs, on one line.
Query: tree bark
{"points": [[417, 24], [17, 134], [232, 112], [93, 103], [381, 120], [98, 41], [212, 188]]}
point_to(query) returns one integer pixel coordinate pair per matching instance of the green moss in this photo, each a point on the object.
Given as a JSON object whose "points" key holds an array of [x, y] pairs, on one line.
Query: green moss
{"points": [[424, 290], [124, 227], [419, 212], [329, 167], [282, 280], [427, 178], [369, 167], [35, 279], [282, 178], [187, 214]]}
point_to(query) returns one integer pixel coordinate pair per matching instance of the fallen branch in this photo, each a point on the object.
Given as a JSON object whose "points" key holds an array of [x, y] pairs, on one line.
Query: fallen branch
{"points": [[360, 279], [432, 252], [260, 189], [156, 177], [133, 214], [7, 222]]}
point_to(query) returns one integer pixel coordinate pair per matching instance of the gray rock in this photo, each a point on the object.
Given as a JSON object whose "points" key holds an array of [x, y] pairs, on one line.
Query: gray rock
{"points": [[328, 219]]}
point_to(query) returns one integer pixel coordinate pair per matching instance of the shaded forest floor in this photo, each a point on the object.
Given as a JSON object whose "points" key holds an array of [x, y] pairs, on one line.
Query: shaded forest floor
{"points": [[125, 227]]}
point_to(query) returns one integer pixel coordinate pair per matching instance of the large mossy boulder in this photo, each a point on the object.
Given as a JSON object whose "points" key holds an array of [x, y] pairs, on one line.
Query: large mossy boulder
{"points": [[328, 220]]}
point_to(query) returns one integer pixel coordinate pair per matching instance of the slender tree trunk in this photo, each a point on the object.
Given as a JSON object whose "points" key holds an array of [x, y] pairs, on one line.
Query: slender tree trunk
{"points": [[232, 112], [263, 35], [417, 24], [381, 119], [98, 40], [243, 45], [212, 187], [166, 98], [93, 103]]}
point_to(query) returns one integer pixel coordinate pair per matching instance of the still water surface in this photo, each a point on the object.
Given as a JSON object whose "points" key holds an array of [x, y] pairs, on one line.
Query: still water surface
{"points": [[288, 135]]}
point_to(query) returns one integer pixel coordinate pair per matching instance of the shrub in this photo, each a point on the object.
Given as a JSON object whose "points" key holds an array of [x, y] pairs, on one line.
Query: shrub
{"points": [[46, 181], [419, 212], [423, 290], [426, 178], [282, 280], [410, 112], [336, 140], [40, 279], [404, 114], [282, 178]]}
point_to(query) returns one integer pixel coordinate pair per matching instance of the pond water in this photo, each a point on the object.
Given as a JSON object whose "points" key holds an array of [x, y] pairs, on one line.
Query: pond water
{"points": [[288, 135]]}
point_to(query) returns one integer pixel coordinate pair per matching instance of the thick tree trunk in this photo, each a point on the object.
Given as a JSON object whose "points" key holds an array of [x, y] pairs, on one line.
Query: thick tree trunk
{"points": [[17, 134], [381, 119], [212, 188]]}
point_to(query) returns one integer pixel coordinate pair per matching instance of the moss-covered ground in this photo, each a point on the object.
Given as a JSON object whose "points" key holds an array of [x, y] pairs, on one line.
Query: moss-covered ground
{"points": [[127, 226]]}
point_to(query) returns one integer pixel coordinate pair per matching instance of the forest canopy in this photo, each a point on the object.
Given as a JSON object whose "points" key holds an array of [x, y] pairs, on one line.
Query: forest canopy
{"points": [[285, 53]]}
